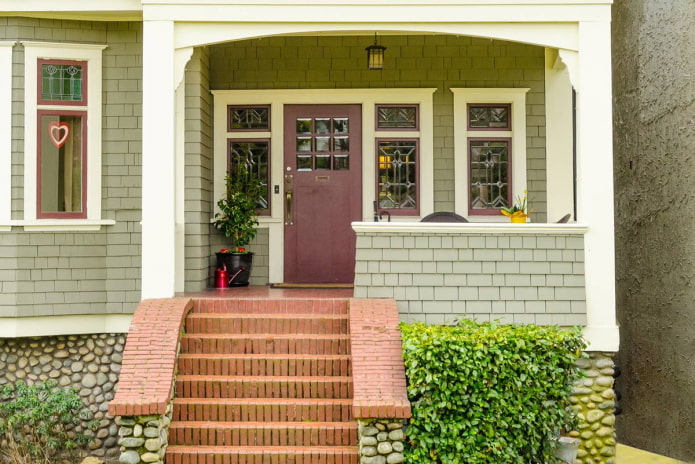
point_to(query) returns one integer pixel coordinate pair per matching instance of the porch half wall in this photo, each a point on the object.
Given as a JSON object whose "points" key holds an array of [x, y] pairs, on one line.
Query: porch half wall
{"points": [[440, 274]]}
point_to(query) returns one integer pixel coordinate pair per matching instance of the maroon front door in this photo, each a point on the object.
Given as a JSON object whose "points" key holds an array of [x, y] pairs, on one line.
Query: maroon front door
{"points": [[323, 192]]}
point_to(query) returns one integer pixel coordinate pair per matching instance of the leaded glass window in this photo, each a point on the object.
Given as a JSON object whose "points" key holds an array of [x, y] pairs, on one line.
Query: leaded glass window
{"points": [[254, 156], [62, 81], [397, 174], [489, 117], [394, 117], [489, 174], [248, 118]]}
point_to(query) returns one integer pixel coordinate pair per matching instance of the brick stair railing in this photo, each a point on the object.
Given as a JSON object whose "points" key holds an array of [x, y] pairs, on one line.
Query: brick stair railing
{"points": [[264, 381]]}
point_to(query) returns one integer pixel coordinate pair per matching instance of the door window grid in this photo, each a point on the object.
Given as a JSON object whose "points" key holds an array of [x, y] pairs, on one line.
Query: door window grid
{"points": [[322, 144]]}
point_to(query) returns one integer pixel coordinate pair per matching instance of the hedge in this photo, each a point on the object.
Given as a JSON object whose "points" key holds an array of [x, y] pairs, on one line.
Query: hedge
{"points": [[488, 393]]}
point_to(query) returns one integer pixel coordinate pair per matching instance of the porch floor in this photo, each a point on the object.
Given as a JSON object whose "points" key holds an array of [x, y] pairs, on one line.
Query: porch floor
{"points": [[265, 292]]}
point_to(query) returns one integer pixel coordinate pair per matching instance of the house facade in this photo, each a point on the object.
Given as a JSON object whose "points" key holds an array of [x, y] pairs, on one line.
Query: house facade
{"points": [[119, 123]]}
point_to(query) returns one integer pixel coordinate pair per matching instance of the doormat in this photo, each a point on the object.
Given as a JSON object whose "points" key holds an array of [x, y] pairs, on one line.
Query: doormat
{"points": [[313, 286]]}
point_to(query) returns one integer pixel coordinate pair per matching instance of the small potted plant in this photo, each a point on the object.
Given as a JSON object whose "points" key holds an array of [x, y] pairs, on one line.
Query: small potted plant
{"points": [[237, 219], [518, 212]]}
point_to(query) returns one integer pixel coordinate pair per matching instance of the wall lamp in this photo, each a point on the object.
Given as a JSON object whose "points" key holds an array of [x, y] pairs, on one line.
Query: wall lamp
{"points": [[375, 55]]}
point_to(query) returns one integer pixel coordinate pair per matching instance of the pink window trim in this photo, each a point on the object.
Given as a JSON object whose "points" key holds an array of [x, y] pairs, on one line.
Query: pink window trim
{"points": [[231, 108], [396, 129], [264, 212], [39, 83], [61, 215], [489, 212], [489, 105], [398, 211]]}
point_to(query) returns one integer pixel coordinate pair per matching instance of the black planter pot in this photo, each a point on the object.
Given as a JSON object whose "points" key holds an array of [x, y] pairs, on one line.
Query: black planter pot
{"points": [[238, 267]]}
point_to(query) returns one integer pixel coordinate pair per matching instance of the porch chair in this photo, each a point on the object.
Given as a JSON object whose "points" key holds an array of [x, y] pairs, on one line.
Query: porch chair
{"points": [[564, 218], [443, 216]]}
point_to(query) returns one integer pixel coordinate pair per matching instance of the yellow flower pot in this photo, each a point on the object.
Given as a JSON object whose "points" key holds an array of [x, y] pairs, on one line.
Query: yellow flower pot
{"points": [[520, 219]]}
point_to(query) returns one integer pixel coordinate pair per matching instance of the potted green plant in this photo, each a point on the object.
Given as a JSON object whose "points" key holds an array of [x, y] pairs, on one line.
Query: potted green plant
{"points": [[237, 219], [519, 211]]}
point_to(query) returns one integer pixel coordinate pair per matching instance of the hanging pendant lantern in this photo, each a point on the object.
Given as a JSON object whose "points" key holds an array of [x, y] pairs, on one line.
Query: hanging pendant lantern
{"points": [[375, 56]]}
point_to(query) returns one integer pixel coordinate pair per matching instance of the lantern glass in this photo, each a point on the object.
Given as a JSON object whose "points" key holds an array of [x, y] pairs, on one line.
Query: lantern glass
{"points": [[375, 56]]}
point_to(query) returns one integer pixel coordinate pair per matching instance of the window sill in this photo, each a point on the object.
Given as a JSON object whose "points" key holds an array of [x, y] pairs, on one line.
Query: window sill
{"points": [[62, 225]]}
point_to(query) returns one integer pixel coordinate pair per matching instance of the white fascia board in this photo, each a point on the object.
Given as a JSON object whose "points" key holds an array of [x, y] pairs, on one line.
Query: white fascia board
{"points": [[15, 327], [371, 12], [468, 228], [75, 8]]}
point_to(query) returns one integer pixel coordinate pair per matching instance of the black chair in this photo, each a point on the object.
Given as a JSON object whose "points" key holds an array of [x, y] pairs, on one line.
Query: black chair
{"points": [[564, 218], [443, 216]]}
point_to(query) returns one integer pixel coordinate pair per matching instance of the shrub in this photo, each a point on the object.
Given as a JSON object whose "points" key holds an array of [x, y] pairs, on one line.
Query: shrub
{"points": [[486, 393], [37, 422]]}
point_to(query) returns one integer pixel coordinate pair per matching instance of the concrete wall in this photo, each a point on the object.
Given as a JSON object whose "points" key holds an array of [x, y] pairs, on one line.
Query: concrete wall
{"points": [[411, 61], [654, 85], [45, 273], [438, 277]]}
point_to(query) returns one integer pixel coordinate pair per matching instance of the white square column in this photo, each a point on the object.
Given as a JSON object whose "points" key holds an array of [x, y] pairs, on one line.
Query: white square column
{"points": [[595, 182], [158, 161]]}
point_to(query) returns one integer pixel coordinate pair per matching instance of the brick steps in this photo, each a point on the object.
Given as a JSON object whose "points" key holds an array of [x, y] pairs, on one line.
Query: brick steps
{"points": [[261, 455], [217, 386], [262, 409], [263, 433], [264, 364], [265, 344], [239, 323], [264, 382]]}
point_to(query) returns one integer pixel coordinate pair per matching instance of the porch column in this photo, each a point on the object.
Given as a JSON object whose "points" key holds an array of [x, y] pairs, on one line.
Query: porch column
{"points": [[595, 182], [158, 150]]}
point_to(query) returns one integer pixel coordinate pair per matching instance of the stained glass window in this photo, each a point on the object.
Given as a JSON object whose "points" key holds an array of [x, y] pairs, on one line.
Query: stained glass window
{"points": [[489, 174], [254, 156], [492, 117], [397, 174], [248, 118], [62, 80], [396, 117]]}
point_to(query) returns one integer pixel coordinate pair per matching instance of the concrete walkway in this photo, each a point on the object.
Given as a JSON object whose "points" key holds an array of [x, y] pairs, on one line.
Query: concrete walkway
{"points": [[628, 455]]}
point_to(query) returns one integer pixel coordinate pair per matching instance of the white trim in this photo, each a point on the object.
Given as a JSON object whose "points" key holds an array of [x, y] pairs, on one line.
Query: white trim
{"points": [[180, 190], [559, 139], [469, 228], [15, 327], [61, 225], [83, 52], [6, 131], [464, 96], [368, 98]]}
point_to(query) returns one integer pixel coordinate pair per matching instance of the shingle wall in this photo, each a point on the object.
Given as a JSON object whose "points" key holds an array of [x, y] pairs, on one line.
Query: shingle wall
{"points": [[47, 273], [438, 62], [440, 277]]}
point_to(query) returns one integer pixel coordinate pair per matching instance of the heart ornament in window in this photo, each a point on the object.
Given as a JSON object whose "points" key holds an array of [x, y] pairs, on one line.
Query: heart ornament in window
{"points": [[58, 131]]}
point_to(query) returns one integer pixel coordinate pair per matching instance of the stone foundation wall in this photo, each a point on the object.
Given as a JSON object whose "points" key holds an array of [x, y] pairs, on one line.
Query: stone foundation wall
{"points": [[594, 399], [88, 363], [381, 441], [144, 438]]}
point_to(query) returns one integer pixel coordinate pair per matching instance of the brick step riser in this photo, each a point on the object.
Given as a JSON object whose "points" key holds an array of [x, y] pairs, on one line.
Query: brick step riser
{"points": [[264, 367], [193, 457], [235, 325], [262, 389], [322, 306], [277, 345], [264, 436], [262, 413]]}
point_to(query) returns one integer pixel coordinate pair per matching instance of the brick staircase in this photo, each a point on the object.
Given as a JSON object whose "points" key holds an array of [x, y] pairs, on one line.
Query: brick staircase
{"points": [[264, 381]]}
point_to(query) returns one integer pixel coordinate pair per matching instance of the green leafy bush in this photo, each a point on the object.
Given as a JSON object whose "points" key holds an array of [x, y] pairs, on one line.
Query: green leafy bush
{"points": [[486, 393], [37, 422]]}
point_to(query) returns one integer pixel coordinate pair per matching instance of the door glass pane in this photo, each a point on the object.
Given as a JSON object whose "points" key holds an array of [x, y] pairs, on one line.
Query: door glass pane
{"points": [[323, 143], [323, 162], [341, 144], [323, 125], [303, 143], [341, 163], [340, 125], [304, 162], [304, 126], [60, 182]]}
